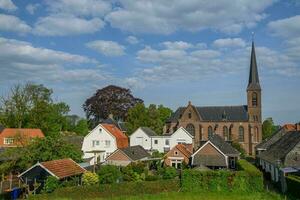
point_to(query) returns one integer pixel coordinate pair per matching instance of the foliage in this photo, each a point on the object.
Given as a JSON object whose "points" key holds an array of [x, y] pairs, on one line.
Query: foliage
{"points": [[31, 106], [238, 147], [153, 117], [78, 125], [249, 179], [293, 185], [90, 178], [109, 100], [135, 172], [51, 184], [168, 172], [40, 149], [109, 174], [268, 128]]}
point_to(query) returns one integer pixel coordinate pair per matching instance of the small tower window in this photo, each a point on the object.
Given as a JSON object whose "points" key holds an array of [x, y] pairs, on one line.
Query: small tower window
{"points": [[254, 99], [190, 115], [225, 133], [191, 129], [210, 132], [241, 134]]}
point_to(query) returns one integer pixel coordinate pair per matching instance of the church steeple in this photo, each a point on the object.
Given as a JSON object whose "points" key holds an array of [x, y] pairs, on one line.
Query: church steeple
{"points": [[253, 83]]}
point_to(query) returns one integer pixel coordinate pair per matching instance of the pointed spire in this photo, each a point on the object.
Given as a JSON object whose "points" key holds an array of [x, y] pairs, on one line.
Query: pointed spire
{"points": [[253, 75]]}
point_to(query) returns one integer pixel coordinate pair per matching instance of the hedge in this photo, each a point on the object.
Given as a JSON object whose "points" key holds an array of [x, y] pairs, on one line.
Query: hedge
{"points": [[113, 190], [293, 185], [248, 179]]}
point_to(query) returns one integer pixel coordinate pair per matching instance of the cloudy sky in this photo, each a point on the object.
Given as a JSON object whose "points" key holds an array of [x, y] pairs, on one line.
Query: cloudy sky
{"points": [[166, 52]]}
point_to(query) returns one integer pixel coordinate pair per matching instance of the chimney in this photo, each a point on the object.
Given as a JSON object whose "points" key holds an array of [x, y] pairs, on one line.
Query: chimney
{"points": [[111, 116]]}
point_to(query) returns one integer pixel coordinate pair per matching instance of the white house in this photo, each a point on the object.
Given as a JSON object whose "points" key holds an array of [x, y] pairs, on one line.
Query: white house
{"points": [[103, 140], [149, 140]]}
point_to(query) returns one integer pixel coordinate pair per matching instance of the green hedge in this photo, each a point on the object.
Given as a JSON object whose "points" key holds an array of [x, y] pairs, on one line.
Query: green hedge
{"points": [[293, 185], [248, 179], [112, 190]]}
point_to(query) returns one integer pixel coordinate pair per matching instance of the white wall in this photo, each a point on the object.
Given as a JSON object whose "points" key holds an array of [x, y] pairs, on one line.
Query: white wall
{"points": [[181, 136], [100, 138], [161, 143], [140, 138]]}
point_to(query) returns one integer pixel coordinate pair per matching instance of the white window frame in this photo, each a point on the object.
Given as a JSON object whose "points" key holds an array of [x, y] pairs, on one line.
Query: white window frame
{"points": [[95, 143], [107, 143], [8, 141]]}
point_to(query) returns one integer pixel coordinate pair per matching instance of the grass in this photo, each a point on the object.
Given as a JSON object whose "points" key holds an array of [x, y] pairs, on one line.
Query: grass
{"points": [[178, 196]]}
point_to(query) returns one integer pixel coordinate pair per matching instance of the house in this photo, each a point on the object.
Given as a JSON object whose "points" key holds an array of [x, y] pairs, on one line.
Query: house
{"points": [[14, 137], [282, 157], [125, 156], [178, 155], [149, 140], [263, 146], [103, 140], [216, 153], [62, 169], [120, 124]]}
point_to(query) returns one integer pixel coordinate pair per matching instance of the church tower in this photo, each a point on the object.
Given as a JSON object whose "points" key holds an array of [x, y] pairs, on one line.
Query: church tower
{"points": [[254, 91]]}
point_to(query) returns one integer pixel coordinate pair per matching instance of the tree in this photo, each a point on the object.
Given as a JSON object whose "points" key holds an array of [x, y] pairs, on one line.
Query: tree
{"points": [[82, 127], [31, 106], [153, 117], [268, 128], [109, 100]]}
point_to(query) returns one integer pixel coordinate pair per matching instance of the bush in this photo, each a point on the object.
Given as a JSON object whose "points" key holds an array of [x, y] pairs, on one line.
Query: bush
{"points": [[152, 177], [293, 185], [90, 178], [51, 184], [168, 172], [74, 181], [109, 174]]}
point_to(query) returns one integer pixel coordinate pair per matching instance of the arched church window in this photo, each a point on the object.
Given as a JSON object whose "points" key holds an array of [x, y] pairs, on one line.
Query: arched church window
{"points": [[200, 133], [210, 132], [191, 129], [254, 99], [256, 134], [225, 133], [241, 134]]}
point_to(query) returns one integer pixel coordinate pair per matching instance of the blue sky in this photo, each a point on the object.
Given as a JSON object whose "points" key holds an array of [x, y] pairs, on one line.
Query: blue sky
{"points": [[166, 52]]}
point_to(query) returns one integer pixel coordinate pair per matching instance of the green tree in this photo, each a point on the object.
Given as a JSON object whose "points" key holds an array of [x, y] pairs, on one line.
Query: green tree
{"points": [[109, 174], [268, 128], [31, 106], [153, 117], [82, 127]]}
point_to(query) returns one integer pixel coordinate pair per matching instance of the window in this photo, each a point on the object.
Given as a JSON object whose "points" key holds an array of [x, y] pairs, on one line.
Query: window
{"points": [[225, 133], [107, 143], [176, 163], [8, 140], [95, 143], [167, 142], [100, 130], [155, 141], [241, 134], [200, 133], [190, 115], [254, 99], [210, 132], [176, 153], [181, 141], [191, 129], [256, 134]]}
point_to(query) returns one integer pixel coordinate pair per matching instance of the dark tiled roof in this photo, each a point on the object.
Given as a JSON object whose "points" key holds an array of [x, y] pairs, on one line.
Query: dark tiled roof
{"points": [[136, 152], [216, 113], [63, 168], [148, 131], [281, 148], [253, 83], [225, 147], [209, 160]]}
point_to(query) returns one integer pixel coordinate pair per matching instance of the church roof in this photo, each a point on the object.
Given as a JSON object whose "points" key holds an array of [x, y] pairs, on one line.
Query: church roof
{"points": [[216, 113], [253, 83]]}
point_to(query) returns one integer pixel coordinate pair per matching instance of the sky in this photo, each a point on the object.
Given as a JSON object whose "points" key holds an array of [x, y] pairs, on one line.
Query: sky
{"points": [[166, 52]]}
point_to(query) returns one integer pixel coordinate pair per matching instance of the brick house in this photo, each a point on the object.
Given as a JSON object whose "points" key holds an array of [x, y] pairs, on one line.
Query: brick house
{"points": [[242, 123], [15, 137], [178, 155], [215, 154], [125, 156]]}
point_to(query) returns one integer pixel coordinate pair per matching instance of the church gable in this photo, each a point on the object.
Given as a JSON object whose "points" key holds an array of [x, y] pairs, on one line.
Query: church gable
{"points": [[190, 114]]}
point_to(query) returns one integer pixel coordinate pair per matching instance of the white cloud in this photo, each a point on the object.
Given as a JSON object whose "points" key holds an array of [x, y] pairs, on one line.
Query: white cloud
{"points": [[7, 5], [165, 17], [177, 45], [87, 8], [107, 48], [31, 8], [288, 27], [229, 43], [62, 25], [132, 40], [12, 23]]}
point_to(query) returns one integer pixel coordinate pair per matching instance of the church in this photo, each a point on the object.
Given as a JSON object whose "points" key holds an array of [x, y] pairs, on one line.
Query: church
{"points": [[240, 123]]}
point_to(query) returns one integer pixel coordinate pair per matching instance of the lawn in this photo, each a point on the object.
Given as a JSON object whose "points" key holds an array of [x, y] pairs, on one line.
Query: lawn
{"points": [[177, 196]]}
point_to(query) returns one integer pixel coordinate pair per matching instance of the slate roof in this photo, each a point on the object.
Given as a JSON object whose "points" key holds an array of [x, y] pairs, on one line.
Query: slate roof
{"points": [[148, 131], [253, 83], [135, 152], [216, 113], [275, 137], [121, 138], [63, 168], [209, 160], [225, 147], [281, 148]]}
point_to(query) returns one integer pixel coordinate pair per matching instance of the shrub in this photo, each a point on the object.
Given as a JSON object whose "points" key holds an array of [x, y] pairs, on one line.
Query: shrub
{"points": [[90, 178], [168, 172], [109, 174], [51, 184], [138, 167], [293, 185], [74, 181], [152, 177]]}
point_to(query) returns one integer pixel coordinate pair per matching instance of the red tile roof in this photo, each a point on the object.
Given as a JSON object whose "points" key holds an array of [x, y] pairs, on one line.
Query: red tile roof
{"points": [[289, 127], [63, 168], [24, 133], [121, 138], [185, 149]]}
